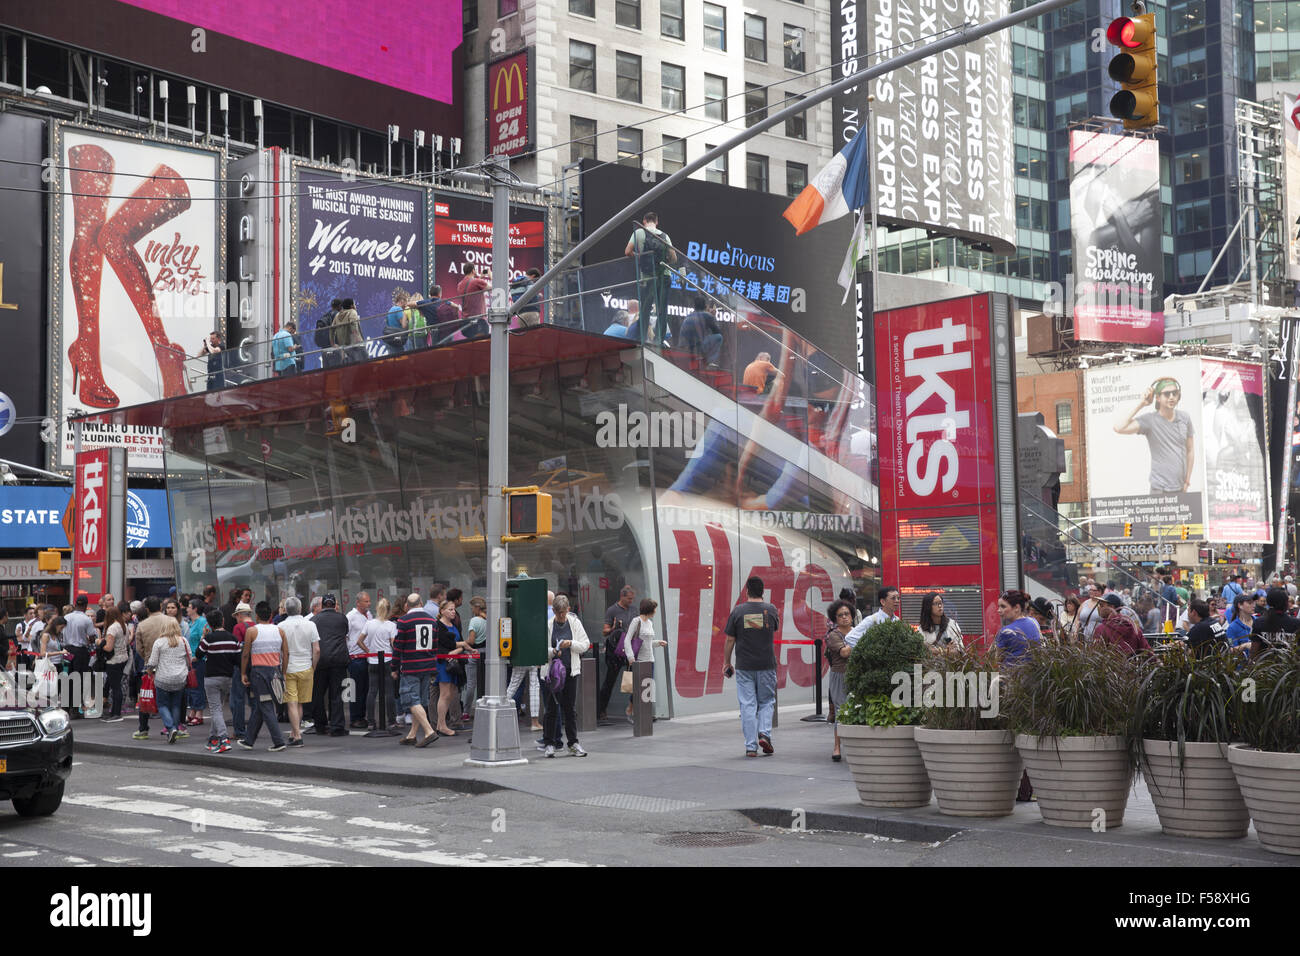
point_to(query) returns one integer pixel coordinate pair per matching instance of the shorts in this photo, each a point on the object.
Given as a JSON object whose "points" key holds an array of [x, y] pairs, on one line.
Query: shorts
{"points": [[413, 690], [297, 687]]}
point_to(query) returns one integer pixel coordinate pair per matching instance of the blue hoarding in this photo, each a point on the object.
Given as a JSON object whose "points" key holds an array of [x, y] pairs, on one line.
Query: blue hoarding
{"points": [[32, 517]]}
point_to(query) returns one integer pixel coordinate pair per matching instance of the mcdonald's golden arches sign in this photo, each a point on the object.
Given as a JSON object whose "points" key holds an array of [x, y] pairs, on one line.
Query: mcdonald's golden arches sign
{"points": [[509, 91]]}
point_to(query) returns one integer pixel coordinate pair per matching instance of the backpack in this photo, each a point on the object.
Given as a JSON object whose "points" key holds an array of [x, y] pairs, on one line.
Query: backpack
{"points": [[418, 329], [653, 243], [322, 335]]}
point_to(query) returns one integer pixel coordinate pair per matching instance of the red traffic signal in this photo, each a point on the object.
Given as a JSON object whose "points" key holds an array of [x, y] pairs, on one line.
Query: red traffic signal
{"points": [[1124, 31], [1134, 69]]}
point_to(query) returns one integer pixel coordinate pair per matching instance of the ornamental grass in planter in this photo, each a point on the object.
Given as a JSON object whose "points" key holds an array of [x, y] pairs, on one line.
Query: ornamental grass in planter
{"points": [[875, 732], [1182, 726], [970, 756], [1267, 765], [1070, 707]]}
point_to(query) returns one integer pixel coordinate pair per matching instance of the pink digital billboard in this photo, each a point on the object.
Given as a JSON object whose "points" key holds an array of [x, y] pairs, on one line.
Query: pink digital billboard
{"points": [[405, 44]]}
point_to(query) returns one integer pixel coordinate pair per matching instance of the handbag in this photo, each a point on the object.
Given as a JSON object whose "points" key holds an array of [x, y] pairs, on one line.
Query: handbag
{"points": [[45, 691], [192, 679], [277, 687], [147, 702], [455, 670]]}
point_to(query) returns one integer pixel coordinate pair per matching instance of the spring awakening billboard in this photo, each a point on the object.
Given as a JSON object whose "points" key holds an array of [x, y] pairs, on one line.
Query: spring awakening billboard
{"points": [[1175, 443], [361, 239], [138, 261], [1115, 224]]}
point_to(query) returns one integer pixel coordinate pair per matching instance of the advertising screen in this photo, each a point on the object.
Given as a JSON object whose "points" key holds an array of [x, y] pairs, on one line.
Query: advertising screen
{"points": [[736, 235], [942, 127], [510, 105], [90, 522], [358, 239], [1236, 487], [1116, 228], [40, 517], [22, 303], [462, 230], [138, 262]]}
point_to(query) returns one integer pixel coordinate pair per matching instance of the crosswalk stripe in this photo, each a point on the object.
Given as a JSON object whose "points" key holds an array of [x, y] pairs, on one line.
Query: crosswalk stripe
{"points": [[175, 811], [237, 854], [386, 825], [183, 793], [277, 786]]}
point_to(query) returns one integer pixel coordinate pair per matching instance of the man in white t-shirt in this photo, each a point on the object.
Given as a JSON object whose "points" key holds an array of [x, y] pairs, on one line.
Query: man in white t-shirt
{"points": [[890, 602], [358, 661], [304, 651]]}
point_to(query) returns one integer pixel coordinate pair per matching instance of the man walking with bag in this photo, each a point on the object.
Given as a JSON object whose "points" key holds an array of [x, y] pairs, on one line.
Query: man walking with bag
{"points": [[655, 255], [617, 618], [751, 633]]}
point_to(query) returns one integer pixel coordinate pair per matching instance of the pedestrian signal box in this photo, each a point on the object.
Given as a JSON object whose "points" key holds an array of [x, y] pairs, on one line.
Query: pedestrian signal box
{"points": [[529, 512], [1128, 529], [1184, 531], [48, 561], [526, 608]]}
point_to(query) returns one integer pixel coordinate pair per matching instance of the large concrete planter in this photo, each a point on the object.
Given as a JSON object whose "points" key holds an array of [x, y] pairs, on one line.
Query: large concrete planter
{"points": [[975, 773], [1203, 800], [886, 765], [1270, 785], [1073, 777]]}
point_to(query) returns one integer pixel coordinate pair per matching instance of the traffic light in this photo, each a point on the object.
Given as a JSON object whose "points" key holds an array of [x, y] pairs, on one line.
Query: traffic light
{"points": [[1134, 68], [48, 561], [530, 513], [1128, 529], [1183, 530]]}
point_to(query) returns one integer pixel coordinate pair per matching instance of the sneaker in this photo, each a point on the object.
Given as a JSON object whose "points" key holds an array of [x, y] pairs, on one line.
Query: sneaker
{"points": [[765, 742], [296, 742], [112, 720], [223, 747], [276, 748], [541, 740], [181, 734], [140, 735], [171, 737], [751, 753], [245, 744], [541, 746], [550, 751], [308, 724], [575, 750], [212, 744]]}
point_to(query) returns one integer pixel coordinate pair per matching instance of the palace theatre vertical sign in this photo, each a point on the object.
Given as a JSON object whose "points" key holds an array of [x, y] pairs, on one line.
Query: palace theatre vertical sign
{"points": [[510, 107]]}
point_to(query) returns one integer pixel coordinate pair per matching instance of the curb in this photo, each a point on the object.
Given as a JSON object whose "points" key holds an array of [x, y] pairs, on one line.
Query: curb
{"points": [[467, 785], [896, 828]]}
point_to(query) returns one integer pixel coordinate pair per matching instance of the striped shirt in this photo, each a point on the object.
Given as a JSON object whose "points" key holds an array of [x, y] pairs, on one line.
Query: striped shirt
{"points": [[221, 651], [265, 651], [415, 649]]}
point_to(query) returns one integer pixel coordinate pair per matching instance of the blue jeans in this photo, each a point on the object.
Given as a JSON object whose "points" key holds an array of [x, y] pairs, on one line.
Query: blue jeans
{"points": [[198, 698], [170, 703], [757, 693]]}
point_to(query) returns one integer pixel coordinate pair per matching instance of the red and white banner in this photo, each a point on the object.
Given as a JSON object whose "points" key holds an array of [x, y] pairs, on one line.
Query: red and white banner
{"points": [[509, 93], [90, 524]]}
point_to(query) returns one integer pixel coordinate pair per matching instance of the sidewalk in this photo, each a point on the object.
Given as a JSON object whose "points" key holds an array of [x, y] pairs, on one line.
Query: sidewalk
{"points": [[695, 764]]}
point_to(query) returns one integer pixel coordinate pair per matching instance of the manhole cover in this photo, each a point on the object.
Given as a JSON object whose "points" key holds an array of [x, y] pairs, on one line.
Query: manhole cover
{"points": [[709, 841]]}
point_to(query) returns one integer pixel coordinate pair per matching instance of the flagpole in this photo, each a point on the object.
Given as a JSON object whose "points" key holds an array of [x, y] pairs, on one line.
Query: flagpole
{"points": [[871, 198], [959, 36]]}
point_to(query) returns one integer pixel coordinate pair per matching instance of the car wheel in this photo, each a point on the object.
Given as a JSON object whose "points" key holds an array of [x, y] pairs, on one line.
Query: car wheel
{"points": [[42, 804]]}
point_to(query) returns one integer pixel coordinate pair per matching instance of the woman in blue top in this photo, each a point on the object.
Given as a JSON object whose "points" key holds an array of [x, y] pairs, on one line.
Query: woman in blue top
{"points": [[195, 628], [1019, 631], [396, 321], [1243, 616]]}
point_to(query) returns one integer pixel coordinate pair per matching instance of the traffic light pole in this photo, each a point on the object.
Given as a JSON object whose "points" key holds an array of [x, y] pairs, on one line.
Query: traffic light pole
{"points": [[495, 738]]}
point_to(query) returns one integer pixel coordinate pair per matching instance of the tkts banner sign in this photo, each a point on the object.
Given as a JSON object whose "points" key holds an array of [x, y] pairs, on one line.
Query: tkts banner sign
{"points": [[510, 105], [90, 523], [1118, 280], [138, 259]]}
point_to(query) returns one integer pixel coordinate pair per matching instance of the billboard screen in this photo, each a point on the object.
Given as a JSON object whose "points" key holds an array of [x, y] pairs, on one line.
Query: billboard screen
{"points": [[1291, 180], [41, 517], [1178, 442], [90, 523], [1116, 228], [358, 239], [22, 270], [510, 114], [938, 447], [739, 237], [138, 259], [462, 230], [942, 127]]}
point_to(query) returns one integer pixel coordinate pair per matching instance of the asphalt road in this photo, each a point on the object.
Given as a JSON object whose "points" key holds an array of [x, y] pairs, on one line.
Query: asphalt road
{"points": [[127, 813]]}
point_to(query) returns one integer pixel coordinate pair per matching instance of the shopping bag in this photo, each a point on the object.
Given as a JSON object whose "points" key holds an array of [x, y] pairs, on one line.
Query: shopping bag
{"points": [[147, 702]]}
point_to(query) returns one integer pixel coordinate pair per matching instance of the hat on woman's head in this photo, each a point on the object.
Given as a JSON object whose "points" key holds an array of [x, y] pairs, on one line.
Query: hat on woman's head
{"points": [[1042, 606]]}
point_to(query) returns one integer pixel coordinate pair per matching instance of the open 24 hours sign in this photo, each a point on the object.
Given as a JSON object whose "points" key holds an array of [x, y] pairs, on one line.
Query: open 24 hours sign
{"points": [[511, 109]]}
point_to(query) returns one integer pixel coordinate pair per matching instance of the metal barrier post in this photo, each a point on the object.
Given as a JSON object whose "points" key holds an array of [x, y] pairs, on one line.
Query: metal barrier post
{"points": [[643, 710], [817, 714], [587, 692]]}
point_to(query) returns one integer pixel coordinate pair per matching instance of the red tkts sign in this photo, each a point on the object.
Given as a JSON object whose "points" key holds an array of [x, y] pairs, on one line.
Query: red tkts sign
{"points": [[509, 105], [90, 544]]}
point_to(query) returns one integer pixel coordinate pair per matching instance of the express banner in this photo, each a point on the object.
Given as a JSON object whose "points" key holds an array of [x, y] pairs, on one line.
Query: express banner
{"points": [[138, 262], [462, 229], [358, 239], [22, 302], [90, 523], [1236, 487], [1118, 277]]}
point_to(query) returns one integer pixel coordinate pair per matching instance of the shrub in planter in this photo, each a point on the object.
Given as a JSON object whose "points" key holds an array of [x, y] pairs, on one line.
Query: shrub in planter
{"points": [[875, 733], [970, 756], [1182, 726], [1267, 765], [1071, 706]]}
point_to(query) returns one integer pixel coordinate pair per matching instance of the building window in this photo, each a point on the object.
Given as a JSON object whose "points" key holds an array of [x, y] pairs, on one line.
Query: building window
{"points": [[792, 40], [1068, 476], [1069, 60], [469, 16], [716, 171], [715, 97], [715, 27], [756, 175], [1189, 15], [629, 146], [582, 66], [627, 13], [1188, 66], [627, 67], [673, 80], [796, 126], [506, 8], [674, 154], [672, 19], [755, 103], [1189, 117], [1064, 419], [796, 178], [1191, 166], [582, 138], [755, 38], [1192, 216], [583, 8]]}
